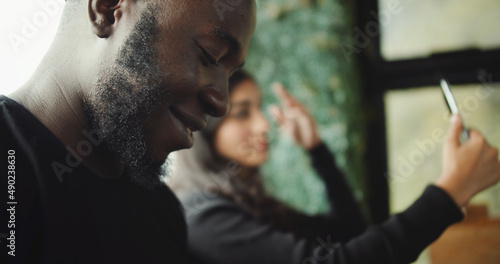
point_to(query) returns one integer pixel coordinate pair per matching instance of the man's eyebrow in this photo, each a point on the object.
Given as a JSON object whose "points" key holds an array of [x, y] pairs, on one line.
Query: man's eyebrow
{"points": [[221, 34]]}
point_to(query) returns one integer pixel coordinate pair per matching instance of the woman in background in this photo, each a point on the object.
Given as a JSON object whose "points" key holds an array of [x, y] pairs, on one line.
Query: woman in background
{"points": [[232, 220]]}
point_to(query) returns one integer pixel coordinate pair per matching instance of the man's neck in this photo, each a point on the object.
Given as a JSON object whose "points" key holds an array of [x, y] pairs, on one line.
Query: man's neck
{"points": [[57, 104]]}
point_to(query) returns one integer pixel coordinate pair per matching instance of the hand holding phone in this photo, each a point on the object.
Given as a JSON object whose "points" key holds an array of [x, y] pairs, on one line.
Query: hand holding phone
{"points": [[467, 168], [452, 106]]}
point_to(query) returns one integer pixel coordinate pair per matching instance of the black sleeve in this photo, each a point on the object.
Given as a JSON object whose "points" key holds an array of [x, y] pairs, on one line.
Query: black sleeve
{"points": [[344, 215], [221, 232]]}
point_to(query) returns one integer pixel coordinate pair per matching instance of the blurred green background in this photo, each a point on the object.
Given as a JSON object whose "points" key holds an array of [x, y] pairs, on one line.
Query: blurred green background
{"points": [[298, 43]]}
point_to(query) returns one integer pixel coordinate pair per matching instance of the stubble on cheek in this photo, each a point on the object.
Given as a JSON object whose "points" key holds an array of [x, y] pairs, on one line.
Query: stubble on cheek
{"points": [[126, 95]]}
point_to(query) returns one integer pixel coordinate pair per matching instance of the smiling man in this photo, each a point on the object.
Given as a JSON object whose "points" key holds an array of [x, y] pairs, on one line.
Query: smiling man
{"points": [[124, 83]]}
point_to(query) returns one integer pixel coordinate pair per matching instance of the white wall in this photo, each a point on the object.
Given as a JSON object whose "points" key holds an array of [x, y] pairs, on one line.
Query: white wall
{"points": [[26, 31]]}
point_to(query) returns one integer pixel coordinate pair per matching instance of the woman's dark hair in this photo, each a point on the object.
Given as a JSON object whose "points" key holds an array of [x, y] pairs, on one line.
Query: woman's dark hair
{"points": [[201, 168]]}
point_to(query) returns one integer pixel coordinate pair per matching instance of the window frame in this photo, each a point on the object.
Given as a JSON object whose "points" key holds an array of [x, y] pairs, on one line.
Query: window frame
{"points": [[466, 66]]}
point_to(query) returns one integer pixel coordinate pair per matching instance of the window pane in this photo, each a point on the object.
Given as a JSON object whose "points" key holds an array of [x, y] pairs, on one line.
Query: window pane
{"points": [[412, 29]]}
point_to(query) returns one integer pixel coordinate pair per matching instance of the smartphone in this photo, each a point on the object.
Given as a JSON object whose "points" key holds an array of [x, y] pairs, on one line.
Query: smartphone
{"points": [[452, 106]]}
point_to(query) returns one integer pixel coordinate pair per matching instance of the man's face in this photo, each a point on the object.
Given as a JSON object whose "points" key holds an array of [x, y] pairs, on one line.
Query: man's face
{"points": [[171, 71]]}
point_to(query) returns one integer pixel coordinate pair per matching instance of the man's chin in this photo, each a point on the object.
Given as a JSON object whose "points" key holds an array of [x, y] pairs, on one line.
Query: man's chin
{"points": [[147, 176], [147, 170], [162, 156]]}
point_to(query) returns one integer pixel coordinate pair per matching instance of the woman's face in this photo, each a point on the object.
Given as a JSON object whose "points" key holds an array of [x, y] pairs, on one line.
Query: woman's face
{"points": [[242, 134]]}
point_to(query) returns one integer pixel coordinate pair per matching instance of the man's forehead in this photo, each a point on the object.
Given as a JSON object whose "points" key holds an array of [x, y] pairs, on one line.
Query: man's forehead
{"points": [[201, 19], [208, 9], [201, 14]]}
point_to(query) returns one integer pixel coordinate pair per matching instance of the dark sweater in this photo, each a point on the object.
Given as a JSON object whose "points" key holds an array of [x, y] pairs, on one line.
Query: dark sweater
{"points": [[64, 213], [220, 231]]}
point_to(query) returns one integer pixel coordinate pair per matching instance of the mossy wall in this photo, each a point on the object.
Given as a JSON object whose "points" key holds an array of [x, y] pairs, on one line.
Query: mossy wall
{"points": [[298, 43]]}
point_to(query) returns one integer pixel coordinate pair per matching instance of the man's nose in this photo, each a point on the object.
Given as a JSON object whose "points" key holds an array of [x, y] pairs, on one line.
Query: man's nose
{"points": [[214, 100]]}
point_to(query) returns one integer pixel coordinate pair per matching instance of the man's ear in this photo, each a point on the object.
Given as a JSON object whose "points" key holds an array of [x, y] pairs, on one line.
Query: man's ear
{"points": [[102, 14]]}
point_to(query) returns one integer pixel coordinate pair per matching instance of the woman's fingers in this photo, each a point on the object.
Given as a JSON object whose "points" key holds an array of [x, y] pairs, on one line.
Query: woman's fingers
{"points": [[453, 136], [283, 96], [477, 139], [492, 164], [294, 118], [468, 168], [276, 114]]}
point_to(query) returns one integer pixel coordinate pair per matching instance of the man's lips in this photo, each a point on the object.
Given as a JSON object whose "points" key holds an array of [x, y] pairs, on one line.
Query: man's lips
{"points": [[190, 121]]}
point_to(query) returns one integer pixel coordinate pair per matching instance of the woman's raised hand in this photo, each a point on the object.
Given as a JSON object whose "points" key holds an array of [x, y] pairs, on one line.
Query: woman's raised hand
{"points": [[293, 119], [468, 168]]}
